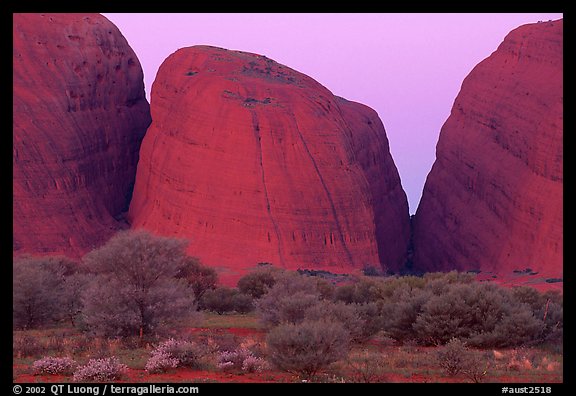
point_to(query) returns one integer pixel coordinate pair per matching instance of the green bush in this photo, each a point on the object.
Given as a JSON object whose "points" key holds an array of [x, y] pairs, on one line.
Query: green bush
{"points": [[134, 291], [199, 277], [257, 283], [363, 290], [288, 300], [368, 367], [308, 347], [225, 299], [401, 310], [428, 310], [484, 315], [37, 291], [456, 358], [174, 353], [345, 314]]}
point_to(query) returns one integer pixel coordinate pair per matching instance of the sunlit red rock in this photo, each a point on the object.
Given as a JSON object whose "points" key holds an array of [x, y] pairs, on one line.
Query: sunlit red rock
{"points": [[255, 162], [79, 114], [493, 201]]}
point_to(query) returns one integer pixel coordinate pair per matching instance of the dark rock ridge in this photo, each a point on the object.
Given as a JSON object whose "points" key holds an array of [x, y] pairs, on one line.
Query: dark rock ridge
{"points": [[493, 199], [79, 115]]}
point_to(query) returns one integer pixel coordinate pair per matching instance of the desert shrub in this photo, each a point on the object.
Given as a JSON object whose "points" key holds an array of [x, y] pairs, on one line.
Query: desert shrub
{"points": [[99, 370], [401, 310], [71, 302], [346, 314], [484, 315], [440, 280], [290, 309], [456, 358], [54, 366], [345, 293], [174, 353], [36, 292], [451, 357], [367, 367], [160, 362], [410, 282], [553, 318], [550, 310], [452, 314], [240, 359], [307, 347], [188, 353], [224, 299], [56, 343], [257, 283], [363, 290], [199, 277], [135, 290], [288, 300], [27, 346], [372, 270], [371, 321], [222, 341], [253, 364], [528, 295], [326, 288], [518, 326]]}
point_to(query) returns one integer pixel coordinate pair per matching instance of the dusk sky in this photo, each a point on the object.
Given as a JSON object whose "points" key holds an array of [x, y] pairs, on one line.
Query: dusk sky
{"points": [[407, 67]]}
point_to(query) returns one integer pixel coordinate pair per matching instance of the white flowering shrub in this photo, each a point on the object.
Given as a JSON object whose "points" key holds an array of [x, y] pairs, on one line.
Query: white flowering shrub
{"points": [[175, 353], [240, 359], [253, 364], [54, 366], [160, 362], [97, 370]]}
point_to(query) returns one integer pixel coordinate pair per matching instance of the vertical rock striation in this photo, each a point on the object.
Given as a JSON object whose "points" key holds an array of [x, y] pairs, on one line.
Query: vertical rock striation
{"points": [[79, 115], [493, 199], [255, 162]]}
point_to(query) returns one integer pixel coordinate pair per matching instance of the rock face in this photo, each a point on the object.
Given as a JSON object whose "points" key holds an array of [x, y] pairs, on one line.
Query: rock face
{"points": [[79, 116], [255, 162], [493, 200]]}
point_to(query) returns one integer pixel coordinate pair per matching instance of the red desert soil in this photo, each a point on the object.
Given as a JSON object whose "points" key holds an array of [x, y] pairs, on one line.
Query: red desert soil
{"points": [[187, 375]]}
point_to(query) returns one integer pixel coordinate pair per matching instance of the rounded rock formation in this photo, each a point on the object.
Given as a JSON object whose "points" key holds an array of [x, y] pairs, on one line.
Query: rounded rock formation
{"points": [[255, 162], [493, 200], [79, 115]]}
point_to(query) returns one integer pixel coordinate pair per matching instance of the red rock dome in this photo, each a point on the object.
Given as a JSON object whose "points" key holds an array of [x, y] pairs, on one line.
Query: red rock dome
{"points": [[493, 200], [79, 115], [255, 162]]}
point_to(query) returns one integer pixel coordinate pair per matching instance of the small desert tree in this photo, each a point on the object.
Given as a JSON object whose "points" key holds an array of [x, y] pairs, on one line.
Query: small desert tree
{"points": [[401, 310], [288, 300], [135, 290], [72, 289], [257, 283], [456, 358], [225, 299], [200, 277], [37, 290], [485, 315], [345, 314], [307, 347]]}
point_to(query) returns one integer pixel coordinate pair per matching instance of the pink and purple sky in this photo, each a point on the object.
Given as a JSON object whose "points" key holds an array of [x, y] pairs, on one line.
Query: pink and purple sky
{"points": [[407, 67]]}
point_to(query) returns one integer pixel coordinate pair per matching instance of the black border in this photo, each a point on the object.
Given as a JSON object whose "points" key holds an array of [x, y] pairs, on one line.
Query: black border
{"points": [[243, 7]]}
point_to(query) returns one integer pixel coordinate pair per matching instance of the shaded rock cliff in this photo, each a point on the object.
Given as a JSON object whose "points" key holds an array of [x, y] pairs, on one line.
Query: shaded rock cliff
{"points": [[79, 115], [493, 199], [255, 162]]}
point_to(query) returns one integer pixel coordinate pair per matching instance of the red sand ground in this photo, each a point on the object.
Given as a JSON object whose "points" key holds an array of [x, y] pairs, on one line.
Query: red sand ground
{"points": [[198, 376]]}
